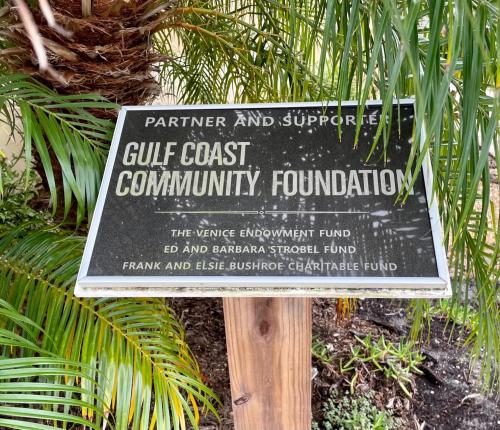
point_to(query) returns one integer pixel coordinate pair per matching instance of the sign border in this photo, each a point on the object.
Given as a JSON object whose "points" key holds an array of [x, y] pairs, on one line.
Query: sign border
{"points": [[261, 286]]}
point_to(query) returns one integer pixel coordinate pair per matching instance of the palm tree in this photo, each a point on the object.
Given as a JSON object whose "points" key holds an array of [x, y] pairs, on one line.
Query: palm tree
{"points": [[444, 53]]}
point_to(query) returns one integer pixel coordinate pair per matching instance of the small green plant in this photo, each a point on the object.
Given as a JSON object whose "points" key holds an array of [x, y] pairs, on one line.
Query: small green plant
{"points": [[347, 413], [321, 351], [395, 361], [15, 193], [456, 313]]}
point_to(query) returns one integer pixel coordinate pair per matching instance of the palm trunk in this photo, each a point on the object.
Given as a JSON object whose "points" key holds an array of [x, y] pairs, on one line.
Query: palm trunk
{"points": [[106, 48]]}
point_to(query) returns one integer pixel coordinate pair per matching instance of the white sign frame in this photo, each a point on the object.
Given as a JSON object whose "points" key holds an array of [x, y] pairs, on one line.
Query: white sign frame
{"points": [[260, 286]]}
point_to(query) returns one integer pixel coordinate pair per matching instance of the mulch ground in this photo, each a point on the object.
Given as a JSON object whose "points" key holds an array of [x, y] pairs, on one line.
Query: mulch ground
{"points": [[447, 396]]}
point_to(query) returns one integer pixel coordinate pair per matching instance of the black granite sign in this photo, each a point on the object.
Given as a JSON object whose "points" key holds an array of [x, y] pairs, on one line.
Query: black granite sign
{"points": [[265, 191]]}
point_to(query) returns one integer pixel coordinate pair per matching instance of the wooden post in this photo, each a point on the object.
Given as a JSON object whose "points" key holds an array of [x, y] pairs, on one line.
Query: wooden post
{"points": [[269, 349]]}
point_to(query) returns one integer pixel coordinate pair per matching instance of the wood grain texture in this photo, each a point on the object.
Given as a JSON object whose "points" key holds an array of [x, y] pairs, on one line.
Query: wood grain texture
{"points": [[269, 349]]}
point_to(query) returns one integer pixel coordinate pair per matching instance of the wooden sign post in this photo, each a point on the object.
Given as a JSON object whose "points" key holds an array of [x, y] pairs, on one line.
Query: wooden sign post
{"points": [[265, 206], [269, 351]]}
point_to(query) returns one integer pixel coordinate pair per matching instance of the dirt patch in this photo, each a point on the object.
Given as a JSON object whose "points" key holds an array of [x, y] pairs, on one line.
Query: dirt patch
{"points": [[446, 396]]}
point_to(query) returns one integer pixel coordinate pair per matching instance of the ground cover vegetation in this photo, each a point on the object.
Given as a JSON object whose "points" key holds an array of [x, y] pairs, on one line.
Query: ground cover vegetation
{"points": [[65, 68]]}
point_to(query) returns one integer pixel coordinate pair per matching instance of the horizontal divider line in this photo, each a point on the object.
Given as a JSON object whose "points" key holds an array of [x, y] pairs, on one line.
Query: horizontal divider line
{"points": [[261, 212], [207, 212], [316, 212]]}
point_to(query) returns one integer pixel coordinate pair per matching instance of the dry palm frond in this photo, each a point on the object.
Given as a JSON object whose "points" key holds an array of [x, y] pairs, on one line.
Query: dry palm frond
{"points": [[345, 307]]}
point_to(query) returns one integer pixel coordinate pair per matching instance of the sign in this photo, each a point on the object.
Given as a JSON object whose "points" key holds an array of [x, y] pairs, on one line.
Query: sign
{"points": [[262, 200]]}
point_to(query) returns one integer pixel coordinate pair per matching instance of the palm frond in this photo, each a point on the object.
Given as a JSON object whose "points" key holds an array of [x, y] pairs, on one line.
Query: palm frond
{"points": [[242, 51], [71, 143], [34, 389], [134, 350]]}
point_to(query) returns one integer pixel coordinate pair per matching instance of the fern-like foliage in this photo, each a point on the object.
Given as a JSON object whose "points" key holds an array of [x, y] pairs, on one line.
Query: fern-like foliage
{"points": [[132, 358]]}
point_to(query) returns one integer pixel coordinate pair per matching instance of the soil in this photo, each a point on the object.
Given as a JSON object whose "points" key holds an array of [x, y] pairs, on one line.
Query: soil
{"points": [[446, 396]]}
